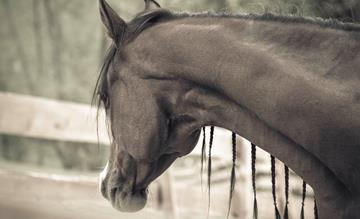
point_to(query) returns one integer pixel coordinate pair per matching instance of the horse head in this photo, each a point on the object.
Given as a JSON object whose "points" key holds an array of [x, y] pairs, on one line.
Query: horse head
{"points": [[148, 131], [167, 75]]}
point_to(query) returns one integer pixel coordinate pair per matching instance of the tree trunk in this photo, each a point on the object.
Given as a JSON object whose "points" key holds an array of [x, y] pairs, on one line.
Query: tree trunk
{"points": [[38, 36], [57, 43], [21, 55]]}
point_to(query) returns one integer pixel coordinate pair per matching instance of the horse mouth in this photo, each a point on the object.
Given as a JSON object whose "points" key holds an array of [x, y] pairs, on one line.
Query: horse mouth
{"points": [[128, 202]]}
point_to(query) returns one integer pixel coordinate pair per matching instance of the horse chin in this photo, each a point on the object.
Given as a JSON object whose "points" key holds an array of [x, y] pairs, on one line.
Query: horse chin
{"points": [[131, 202]]}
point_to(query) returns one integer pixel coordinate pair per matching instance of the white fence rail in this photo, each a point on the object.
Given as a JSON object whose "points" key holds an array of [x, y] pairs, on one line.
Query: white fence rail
{"points": [[49, 119]]}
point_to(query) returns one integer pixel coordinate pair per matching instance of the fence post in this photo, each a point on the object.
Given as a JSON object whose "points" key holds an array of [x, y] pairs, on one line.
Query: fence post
{"points": [[169, 195]]}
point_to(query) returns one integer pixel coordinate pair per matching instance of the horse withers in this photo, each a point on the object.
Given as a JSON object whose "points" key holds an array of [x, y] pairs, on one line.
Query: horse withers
{"points": [[289, 85]]}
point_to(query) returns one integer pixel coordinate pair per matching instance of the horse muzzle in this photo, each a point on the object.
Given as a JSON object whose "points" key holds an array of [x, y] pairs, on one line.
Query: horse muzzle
{"points": [[122, 197], [125, 186], [128, 202]]}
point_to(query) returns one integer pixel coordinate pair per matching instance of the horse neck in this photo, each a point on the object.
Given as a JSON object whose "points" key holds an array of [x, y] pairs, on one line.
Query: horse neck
{"points": [[248, 62], [252, 75], [224, 40], [215, 109]]}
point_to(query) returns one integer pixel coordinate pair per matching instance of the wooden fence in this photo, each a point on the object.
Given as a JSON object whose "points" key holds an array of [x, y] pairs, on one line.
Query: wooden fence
{"points": [[43, 118]]}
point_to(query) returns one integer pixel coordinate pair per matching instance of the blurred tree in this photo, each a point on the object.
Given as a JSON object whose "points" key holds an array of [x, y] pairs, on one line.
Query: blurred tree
{"points": [[38, 36], [21, 57], [217, 5], [344, 10], [57, 42]]}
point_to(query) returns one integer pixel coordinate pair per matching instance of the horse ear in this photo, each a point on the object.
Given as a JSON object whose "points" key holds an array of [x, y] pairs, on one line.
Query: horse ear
{"points": [[115, 26], [151, 4]]}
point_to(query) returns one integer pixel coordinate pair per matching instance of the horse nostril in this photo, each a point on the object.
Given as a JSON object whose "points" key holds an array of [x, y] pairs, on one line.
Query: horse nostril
{"points": [[144, 192]]}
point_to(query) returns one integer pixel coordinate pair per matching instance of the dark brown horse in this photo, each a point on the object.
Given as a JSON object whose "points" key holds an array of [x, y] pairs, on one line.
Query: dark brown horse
{"points": [[289, 85]]}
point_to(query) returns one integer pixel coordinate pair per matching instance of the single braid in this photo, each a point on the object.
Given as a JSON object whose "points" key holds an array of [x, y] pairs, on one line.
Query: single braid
{"points": [[302, 214], [253, 179], [233, 176], [203, 154], [273, 182], [316, 216], [286, 211], [209, 164]]}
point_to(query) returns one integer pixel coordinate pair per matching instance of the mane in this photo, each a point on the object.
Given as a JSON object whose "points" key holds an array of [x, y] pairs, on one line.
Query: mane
{"points": [[316, 21], [149, 18], [101, 96]]}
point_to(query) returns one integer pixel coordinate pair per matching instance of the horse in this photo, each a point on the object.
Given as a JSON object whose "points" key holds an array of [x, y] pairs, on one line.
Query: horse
{"points": [[289, 85]]}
